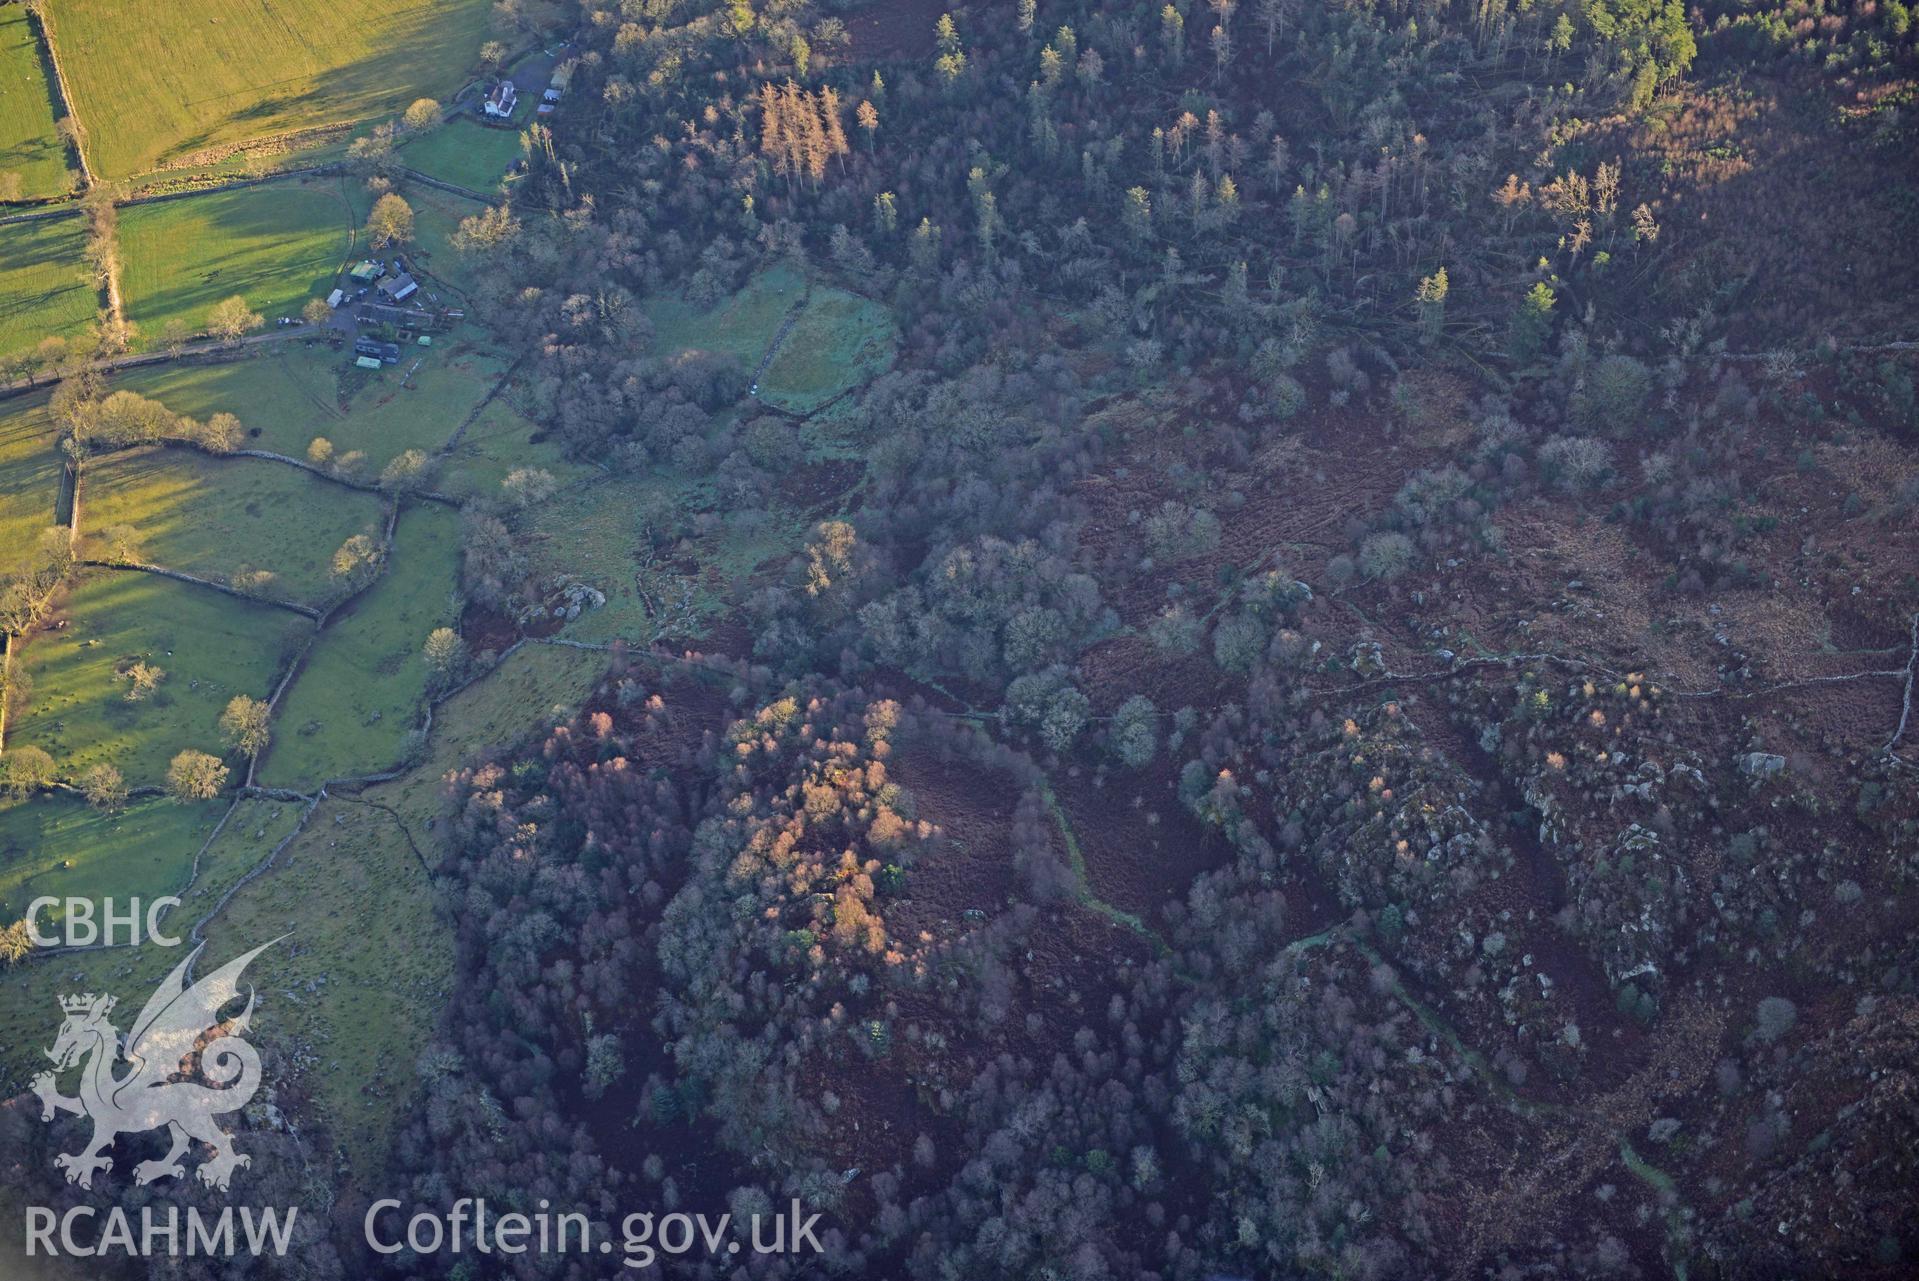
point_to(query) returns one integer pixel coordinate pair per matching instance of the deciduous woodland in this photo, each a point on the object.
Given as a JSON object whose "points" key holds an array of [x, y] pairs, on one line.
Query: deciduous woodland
{"points": [[1110, 641]]}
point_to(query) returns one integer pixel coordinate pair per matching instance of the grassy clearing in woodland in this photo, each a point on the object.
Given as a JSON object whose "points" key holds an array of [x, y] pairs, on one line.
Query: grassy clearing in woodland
{"points": [[839, 341], [836, 339], [275, 245], [216, 517], [357, 698], [29, 145], [740, 326], [210, 647], [44, 281], [158, 81]]}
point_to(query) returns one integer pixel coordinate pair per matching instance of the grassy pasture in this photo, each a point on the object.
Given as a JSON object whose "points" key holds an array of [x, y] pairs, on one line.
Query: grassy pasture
{"points": [[45, 288], [740, 326], [210, 646], [29, 146], [29, 477], [293, 393], [592, 532], [357, 697], [159, 82], [465, 153], [288, 393], [213, 516], [840, 341], [498, 441], [520, 695], [28, 992], [384, 418], [366, 969], [351, 893], [62, 846], [361, 910], [275, 245]]}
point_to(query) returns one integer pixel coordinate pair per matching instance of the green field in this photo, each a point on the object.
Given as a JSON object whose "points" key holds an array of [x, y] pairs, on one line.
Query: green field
{"points": [[464, 153], [160, 82], [60, 845], [291, 393], [29, 477], [45, 288], [211, 647], [369, 960], [360, 904], [592, 533], [498, 441], [275, 245], [352, 894], [172, 834], [840, 341], [213, 516], [740, 326], [29, 146], [358, 695]]}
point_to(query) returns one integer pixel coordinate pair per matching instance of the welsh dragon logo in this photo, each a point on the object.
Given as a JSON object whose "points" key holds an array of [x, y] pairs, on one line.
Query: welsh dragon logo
{"points": [[170, 1028]]}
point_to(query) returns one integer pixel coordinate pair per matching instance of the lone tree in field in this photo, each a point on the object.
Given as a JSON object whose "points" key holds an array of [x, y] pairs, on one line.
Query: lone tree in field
{"points": [[15, 942], [391, 221], [195, 776], [144, 678], [120, 544], [445, 654], [358, 556], [25, 770], [104, 787], [244, 725], [421, 116], [222, 434], [232, 319], [406, 472], [528, 486]]}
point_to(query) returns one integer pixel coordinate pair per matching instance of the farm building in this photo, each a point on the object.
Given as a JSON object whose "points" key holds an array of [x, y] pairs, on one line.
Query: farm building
{"points": [[367, 272], [400, 287], [368, 362], [500, 103], [377, 350], [379, 313]]}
